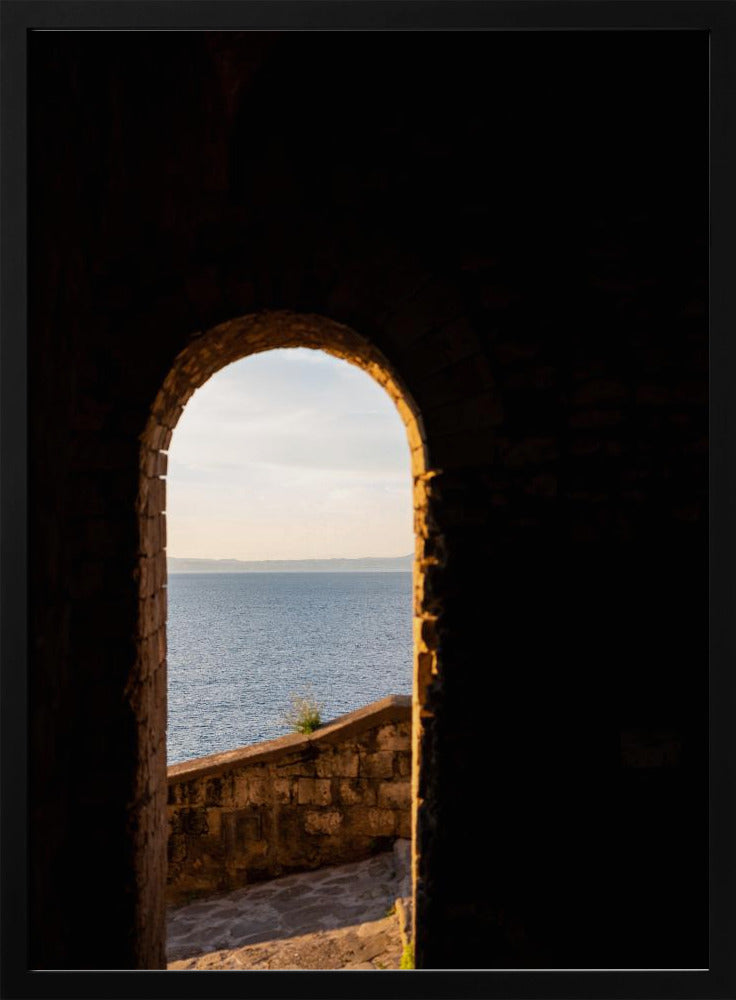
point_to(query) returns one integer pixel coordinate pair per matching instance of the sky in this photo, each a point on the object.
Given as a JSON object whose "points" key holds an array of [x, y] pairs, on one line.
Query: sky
{"points": [[289, 454]]}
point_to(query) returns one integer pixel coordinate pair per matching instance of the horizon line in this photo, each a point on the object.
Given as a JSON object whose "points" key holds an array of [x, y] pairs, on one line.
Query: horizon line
{"points": [[405, 555]]}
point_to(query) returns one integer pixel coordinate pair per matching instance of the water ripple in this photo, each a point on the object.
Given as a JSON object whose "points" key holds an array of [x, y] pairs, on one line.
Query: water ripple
{"points": [[239, 644]]}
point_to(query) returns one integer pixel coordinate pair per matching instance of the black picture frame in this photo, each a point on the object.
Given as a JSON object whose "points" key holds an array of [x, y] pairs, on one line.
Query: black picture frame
{"points": [[716, 18]]}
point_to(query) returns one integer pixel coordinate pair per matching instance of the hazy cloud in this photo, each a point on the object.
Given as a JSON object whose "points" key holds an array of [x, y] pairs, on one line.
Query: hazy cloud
{"points": [[289, 454]]}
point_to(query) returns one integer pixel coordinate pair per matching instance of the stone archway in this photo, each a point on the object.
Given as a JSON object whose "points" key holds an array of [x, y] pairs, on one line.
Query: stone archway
{"points": [[206, 354]]}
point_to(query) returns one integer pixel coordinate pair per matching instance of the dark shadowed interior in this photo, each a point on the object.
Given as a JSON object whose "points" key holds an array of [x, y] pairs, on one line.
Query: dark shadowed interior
{"points": [[517, 224]]}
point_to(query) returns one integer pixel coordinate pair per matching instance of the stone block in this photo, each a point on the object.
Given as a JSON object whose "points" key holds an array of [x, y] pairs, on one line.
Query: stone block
{"points": [[314, 791], [240, 828], [214, 822], [342, 764], [258, 791], [376, 765], [322, 822], [214, 792], [394, 795], [425, 633], [283, 789], [357, 791], [598, 391], [595, 419], [241, 785], [297, 769], [403, 764], [192, 822], [394, 737], [380, 822]]}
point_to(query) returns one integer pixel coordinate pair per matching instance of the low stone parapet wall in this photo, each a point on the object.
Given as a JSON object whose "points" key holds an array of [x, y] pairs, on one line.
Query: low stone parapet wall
{"points": [[292, 804]]}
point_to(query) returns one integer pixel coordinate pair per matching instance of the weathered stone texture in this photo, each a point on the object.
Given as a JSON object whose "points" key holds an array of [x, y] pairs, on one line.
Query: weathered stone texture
{"points": [[236, 818]]}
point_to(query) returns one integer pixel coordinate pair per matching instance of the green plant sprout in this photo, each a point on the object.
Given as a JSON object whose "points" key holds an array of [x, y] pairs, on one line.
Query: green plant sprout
{"points": [[407, 957], [304, 714]]}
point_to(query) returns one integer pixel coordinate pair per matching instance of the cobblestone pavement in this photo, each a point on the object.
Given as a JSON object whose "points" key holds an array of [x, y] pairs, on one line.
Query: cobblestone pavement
{"points": [[334, 918]]}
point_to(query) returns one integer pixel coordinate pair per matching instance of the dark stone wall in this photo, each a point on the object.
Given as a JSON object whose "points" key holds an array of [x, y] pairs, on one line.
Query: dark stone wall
{"points": [[518, 221]]}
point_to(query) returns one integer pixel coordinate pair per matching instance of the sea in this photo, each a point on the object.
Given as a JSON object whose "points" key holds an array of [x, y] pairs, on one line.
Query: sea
{"points": [[241, 645]]}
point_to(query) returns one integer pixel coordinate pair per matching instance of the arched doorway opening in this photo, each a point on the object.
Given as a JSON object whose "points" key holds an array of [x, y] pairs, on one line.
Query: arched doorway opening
{"points": [[289, 552], [205, 355]]}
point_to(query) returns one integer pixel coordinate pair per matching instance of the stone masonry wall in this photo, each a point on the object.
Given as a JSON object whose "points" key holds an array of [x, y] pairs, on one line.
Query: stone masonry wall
{"points": [[291, 804], [521, 231]]}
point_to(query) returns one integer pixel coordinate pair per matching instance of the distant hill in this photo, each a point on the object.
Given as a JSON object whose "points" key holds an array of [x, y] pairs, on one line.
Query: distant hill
{"points": [[394, 564]]}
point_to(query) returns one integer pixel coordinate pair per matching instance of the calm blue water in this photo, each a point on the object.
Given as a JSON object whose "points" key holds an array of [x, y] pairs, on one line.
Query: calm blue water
{"points": [[239, 644]]}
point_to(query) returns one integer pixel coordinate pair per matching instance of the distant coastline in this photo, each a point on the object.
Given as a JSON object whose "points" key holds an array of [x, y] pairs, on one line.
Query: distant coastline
{"points": [[392, 564]]}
